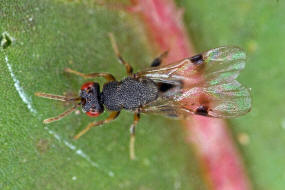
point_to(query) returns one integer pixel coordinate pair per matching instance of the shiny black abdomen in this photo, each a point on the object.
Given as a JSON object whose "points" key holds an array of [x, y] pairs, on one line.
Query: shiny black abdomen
{"points": [[129, 94]]}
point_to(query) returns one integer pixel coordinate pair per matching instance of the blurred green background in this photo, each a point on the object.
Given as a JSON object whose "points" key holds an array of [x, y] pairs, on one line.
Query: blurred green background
{"points": [[51, 35]]}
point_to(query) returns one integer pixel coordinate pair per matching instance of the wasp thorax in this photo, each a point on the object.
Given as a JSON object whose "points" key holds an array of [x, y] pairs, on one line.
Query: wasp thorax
{"points": [[90, 99]]}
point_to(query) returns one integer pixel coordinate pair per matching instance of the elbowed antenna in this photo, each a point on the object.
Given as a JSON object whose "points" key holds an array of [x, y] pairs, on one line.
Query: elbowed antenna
{"points": [[60, 116], [56, 97], [60, 98]]}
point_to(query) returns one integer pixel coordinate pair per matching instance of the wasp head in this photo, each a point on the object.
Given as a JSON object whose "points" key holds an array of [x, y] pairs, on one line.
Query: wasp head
{"points": [[91, 99]]}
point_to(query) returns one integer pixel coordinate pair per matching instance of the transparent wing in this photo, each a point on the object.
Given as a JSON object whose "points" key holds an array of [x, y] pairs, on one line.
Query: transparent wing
{"points": [[208, 85]]}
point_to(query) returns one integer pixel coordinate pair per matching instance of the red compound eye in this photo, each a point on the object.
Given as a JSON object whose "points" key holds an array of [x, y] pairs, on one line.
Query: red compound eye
{"points": [[92, 113], [87, 85]]}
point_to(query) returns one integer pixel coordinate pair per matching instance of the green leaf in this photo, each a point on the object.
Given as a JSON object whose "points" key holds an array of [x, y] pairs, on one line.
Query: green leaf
{"points": [[48, 36]]}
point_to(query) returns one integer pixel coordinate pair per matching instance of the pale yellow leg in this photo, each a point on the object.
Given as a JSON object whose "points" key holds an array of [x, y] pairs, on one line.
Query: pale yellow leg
{"points": [[133, 133], [111, 117], [128, 67]]}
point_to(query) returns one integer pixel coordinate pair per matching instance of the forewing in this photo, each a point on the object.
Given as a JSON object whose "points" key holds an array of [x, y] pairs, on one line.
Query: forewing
{"points": [[209, 85]]}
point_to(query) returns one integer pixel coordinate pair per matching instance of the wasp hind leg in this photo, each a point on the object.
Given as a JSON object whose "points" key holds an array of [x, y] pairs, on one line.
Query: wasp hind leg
{"points": [[110, 118], [128, 67], [157, 61], [107, 76], [133, 133]]}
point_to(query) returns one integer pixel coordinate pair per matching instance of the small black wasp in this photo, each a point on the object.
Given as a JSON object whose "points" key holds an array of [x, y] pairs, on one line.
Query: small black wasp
{"points": [[203, 85]]}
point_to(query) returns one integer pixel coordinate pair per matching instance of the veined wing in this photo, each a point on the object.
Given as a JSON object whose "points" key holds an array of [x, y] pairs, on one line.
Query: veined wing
{"points": [[208, 85]]}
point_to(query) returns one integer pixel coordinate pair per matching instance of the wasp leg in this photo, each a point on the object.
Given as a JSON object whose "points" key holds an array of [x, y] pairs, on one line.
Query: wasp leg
{"points": [[128, 67], [157, 61], [133, 133], [107, 76], [110, 118]]}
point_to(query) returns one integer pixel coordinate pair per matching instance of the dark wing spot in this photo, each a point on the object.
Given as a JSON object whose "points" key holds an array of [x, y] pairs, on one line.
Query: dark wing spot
{"points": [[202, 110], [164, 87], [197, 59], [156, 62]]}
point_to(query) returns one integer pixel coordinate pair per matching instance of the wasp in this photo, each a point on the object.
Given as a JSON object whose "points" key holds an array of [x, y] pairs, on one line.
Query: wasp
{"points": [[204, 84]]}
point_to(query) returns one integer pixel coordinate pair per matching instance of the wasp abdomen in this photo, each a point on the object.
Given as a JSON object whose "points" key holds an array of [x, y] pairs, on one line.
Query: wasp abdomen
{"points": [[129, 93]]}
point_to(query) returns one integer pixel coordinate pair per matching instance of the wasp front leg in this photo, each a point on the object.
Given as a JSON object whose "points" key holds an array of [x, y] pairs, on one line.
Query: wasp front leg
{"points": [[128, 67], [133, 133], [110, 118]]}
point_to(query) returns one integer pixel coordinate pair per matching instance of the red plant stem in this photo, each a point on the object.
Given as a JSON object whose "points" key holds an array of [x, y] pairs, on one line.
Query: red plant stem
{"points": [[219, 158]]}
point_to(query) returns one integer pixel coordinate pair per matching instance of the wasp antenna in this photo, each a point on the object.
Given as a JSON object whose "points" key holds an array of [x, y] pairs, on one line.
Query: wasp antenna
{"points": [[60, 116], [56, 97]]}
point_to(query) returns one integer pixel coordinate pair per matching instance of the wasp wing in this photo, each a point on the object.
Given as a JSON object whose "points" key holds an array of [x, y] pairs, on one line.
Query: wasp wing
{"points": [[203, 84]]}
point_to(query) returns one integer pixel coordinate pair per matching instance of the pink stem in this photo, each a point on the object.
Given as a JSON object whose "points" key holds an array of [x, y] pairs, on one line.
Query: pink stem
{"points": [[217, 153]]}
